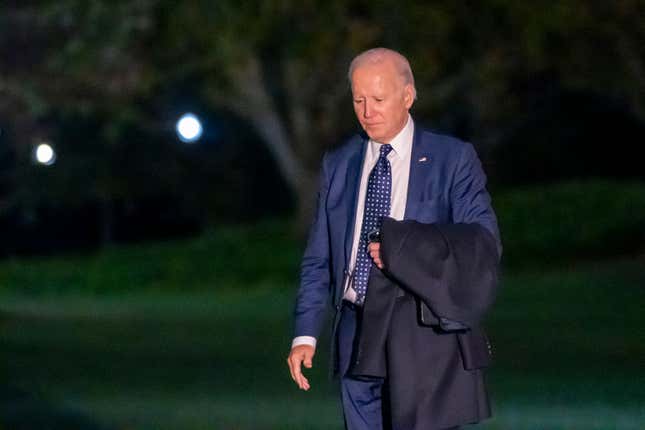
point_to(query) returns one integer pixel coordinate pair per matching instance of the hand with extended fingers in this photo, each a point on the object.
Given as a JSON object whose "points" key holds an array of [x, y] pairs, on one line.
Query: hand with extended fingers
{"points": [[300, 355]]}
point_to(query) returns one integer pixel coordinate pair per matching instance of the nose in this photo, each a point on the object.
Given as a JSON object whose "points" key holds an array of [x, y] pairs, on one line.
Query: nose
{"points": [[367, 109]]}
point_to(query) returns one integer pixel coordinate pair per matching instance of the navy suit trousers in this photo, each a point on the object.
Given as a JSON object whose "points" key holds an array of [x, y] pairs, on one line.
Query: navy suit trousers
{"points": [[364, 401], [361, 399]]}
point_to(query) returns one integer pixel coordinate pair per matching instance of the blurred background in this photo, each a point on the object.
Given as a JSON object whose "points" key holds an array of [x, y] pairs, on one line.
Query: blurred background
{"points": [[158, 162]]}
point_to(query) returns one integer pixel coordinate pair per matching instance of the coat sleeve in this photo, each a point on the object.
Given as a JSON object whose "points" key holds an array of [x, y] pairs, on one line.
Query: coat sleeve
{"points": [[470, 200], [315, 270]]}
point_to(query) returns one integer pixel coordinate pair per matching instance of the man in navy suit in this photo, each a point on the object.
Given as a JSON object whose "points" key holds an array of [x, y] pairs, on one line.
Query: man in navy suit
{"points": [[433, 179]]}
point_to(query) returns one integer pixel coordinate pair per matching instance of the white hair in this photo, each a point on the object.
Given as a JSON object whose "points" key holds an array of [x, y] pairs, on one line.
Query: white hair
{"points": [[381, 55]]}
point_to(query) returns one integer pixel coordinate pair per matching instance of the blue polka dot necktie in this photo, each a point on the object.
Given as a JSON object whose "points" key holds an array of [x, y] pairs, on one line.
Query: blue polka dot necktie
{"points": [[377, 206]]}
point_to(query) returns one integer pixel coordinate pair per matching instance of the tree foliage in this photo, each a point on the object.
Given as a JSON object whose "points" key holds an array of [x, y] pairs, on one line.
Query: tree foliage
{"points": [[280, 65]]}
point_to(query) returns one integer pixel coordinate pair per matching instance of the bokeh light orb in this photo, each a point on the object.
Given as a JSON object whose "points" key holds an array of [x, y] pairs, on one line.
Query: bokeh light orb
{"points": [[45, 154], [189, 128]]}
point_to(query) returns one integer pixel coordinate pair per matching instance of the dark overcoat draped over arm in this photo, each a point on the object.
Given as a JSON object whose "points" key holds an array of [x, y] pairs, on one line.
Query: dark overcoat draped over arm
{"points": [[452, 268], [447, 273], [452, 271]]}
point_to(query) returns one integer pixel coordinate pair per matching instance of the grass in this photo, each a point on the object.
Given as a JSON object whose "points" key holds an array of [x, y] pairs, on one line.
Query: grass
{"points": [[148, 361], [193, 334], [568, 345], [569, 348]]}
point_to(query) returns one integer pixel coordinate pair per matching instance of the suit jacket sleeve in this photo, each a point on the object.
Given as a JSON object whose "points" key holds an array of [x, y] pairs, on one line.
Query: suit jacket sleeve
{"points": [[471, 202], [315, 270]]}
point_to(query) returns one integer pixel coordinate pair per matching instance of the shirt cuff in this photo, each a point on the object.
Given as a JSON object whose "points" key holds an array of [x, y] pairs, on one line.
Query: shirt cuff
{"points": [[303, 340]]}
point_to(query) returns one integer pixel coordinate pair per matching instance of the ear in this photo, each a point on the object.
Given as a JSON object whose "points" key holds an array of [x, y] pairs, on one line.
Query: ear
{"points": [[408, 96]]}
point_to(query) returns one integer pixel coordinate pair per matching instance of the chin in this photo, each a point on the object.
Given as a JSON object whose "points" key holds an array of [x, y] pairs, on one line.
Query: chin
{"points": [[373, 135]]}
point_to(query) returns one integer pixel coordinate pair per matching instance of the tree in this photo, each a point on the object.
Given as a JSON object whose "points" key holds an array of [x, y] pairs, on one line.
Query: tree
{"points": [[281, 64]]}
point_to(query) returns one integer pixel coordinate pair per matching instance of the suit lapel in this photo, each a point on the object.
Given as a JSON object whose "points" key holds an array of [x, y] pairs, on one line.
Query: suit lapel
{"points": [[420, 162], [354, 173]]}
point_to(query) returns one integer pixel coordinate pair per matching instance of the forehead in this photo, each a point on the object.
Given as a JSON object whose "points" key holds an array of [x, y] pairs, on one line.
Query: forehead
{"points": [[382, 75]]}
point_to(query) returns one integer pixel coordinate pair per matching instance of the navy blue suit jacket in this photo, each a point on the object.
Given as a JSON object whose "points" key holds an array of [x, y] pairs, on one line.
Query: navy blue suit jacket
{"points": [[446, 185]]}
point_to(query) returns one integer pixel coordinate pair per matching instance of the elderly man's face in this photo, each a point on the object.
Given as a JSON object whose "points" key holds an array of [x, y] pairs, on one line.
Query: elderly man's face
{"points": [[381, 100]]}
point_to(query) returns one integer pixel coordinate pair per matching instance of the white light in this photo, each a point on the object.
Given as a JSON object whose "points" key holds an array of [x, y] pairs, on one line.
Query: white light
{"points": [[45, 154], [189, 128]]}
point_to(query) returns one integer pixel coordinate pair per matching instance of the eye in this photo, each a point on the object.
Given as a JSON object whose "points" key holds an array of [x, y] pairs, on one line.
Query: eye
{"points": [[379, 99], [357, 101]]}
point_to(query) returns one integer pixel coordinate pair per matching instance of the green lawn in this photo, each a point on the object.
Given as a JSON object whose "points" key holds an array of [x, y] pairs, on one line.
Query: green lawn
{"points": [[569, 349], [193, 334]]}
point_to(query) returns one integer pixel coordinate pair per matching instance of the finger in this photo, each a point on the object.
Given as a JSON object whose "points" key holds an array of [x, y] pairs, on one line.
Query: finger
{"points": [[308, 363], [294, 368], [293, 376], [305, 383], [297, 373]]}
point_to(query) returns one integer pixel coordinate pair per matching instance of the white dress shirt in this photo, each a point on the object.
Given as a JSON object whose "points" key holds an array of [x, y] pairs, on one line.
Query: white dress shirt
{"points": [[399, 159]]}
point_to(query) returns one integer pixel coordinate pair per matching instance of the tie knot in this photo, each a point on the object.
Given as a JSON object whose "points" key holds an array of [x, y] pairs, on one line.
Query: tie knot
{"points": [[385, 149]]}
